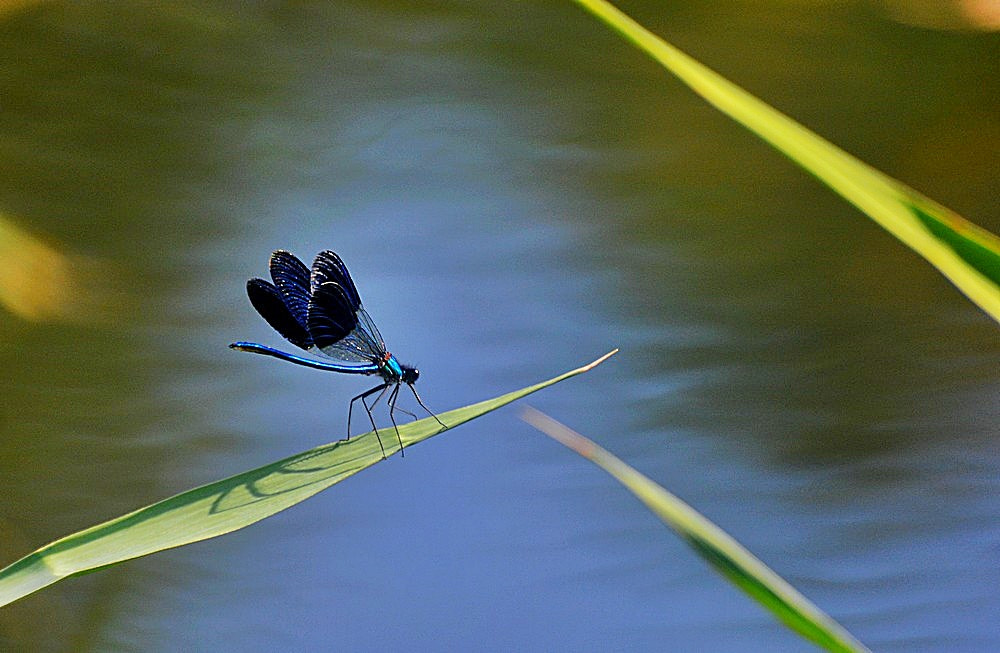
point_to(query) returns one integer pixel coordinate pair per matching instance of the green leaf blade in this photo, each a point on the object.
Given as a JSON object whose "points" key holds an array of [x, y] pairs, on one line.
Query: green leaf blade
{"points": [[232, 503], [713, 544], [964, 253]]}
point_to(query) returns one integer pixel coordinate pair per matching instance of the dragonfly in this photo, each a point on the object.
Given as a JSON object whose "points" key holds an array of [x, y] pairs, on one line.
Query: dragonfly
{"points": [[319, 311]]}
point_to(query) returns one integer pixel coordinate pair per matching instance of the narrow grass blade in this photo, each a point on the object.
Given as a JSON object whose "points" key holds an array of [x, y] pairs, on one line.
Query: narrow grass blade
{"points": [[966, 254], [724, 553], [229, 504]]}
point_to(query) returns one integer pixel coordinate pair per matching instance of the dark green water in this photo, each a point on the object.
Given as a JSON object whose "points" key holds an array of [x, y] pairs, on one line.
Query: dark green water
{"points": [[516, 191]]}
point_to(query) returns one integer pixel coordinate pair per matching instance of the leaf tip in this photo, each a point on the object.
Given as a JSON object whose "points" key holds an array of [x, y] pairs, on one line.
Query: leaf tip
{"points": [[600, 360]]}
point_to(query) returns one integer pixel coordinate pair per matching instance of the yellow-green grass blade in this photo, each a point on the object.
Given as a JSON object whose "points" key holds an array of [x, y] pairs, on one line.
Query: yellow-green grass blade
{"points": [[232, 503], [966, 254], [724, 553]]}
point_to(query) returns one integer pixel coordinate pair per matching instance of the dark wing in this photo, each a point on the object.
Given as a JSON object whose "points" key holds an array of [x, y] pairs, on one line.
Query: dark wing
{"points": [[359, 345], [331, 314], [291, 277], [271, 306], [328, 268], [336, 330]]}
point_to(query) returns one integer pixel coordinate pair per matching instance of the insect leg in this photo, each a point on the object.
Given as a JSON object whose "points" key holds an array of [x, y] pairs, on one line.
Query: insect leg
{"points": [[392, 410], [405, 412], [350, 407], [363, 396], [420, 401]]}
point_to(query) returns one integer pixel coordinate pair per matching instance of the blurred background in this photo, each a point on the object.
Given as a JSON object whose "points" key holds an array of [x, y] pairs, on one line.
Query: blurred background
{"points": [[516, 191]]}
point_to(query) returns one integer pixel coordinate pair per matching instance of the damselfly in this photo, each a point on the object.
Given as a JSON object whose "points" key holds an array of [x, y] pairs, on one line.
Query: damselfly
{"points": [[320, 311]]}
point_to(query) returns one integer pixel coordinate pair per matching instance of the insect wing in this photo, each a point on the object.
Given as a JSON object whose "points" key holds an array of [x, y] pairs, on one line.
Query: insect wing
{"points": [[328, 318], [356, 347], [366, 323], [329, 268], [268, 301], [331, 315], [291, 277]]}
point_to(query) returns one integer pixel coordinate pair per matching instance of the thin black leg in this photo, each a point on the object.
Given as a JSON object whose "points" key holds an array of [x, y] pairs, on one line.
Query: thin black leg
{"points": [[405, 412], [364, 395], [392, 410], [350, 408], [420, 401], [371, 419], [372, 405]]}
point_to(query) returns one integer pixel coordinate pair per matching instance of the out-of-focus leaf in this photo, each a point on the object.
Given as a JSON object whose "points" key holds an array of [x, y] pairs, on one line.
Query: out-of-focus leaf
{"points": [[966, 254], [713, 544]]}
